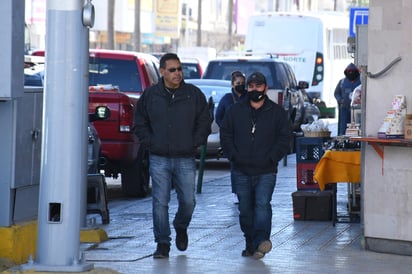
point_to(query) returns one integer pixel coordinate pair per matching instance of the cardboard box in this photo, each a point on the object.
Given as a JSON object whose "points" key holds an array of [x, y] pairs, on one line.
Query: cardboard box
{"points": [[312, 205], [408, 126]]}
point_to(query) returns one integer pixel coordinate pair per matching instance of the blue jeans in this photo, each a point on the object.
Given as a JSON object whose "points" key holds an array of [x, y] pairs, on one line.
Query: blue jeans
{"points": [[255, 210], [344, 119], [164, 171]]}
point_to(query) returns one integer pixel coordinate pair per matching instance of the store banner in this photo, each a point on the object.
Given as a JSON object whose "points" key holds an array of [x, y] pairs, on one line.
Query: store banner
{"points": [[167, 23]]}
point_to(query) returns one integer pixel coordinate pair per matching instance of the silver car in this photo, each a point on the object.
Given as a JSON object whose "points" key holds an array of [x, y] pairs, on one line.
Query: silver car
{"points": [[214, 89]]}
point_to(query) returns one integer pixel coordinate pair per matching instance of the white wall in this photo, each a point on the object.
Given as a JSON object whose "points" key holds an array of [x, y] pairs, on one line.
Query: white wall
{"points": [[387, 183]]}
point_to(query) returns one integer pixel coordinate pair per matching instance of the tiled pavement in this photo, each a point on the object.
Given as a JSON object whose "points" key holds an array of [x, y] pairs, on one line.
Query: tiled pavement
{"points": [[216, 242]]}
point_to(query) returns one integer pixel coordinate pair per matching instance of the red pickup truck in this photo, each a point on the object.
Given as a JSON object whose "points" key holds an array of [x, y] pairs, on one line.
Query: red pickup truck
{"points": [[121, 153], [116, 80]]}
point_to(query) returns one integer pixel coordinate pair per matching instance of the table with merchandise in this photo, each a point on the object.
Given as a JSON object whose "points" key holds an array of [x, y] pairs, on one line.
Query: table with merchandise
{"points": [[340, 167]]}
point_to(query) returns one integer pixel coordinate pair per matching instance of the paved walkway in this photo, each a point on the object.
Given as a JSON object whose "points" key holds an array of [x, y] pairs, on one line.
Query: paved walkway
{"points": [[216, 242]]}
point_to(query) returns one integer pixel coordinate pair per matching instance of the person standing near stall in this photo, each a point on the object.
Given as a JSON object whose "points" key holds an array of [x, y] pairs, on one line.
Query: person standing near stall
{"points": [[255, 135], [343, 95]]}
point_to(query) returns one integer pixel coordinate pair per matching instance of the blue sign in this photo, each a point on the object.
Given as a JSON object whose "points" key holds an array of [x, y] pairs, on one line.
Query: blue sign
{"points": [[357, 16]]}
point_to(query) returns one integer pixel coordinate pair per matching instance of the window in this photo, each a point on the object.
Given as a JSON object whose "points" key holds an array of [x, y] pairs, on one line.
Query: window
{"points": [[121, 73]]}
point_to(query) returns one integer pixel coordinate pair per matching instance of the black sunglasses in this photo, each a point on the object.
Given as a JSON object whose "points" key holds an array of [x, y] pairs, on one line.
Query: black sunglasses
{"points": [[174, 69]]}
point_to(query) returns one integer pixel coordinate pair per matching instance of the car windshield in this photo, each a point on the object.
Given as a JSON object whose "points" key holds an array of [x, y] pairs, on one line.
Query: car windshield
{"points": [[121, 73], [191, 70], [223, 70], [215, 92]]}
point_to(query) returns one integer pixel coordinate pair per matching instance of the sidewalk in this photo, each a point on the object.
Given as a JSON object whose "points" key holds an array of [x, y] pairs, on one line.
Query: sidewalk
{"points": [[216, 242]]}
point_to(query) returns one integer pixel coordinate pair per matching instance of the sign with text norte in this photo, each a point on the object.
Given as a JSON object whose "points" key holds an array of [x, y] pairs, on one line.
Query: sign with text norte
{"points": [[357, 16]]}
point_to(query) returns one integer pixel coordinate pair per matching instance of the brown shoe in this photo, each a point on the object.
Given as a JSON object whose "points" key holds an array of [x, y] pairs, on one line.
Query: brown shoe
{"points": [[263, 248]]}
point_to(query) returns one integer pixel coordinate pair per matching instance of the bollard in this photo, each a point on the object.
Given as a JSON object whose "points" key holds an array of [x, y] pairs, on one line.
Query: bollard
{"points": [[201, 168]]}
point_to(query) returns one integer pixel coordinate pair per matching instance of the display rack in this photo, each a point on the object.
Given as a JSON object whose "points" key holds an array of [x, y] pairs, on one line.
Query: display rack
{"points": [[378, 143]]}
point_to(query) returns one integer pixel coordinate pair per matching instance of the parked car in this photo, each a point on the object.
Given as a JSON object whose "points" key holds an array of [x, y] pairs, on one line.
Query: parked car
{"points": [[128, 74], [214, 89], [283, 87], [34, 76], [192, 68]]}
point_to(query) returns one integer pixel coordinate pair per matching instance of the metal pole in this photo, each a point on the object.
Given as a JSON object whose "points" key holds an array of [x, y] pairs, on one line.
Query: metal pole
{"points": [[199, 23], [64, 145], [137, 30], [230, 29], [211, 106], [187, 24], [201, 168]]}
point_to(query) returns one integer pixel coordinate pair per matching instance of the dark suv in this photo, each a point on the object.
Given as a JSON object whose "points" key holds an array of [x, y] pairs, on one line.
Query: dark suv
{"points": [[283, 88], [279, 75]]}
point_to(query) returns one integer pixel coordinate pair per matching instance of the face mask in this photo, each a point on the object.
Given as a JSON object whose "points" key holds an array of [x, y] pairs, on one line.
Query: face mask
{"points": [[241, 89], [352, 75], [256, 96]]}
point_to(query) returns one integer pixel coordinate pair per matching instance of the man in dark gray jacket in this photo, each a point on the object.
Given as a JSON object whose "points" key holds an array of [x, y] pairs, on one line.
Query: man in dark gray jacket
{"points": [[255, 135], [172, 120]]}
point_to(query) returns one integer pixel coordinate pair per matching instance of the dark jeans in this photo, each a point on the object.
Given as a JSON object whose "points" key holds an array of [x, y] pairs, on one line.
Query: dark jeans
{"points": [[183, 172], [344, 119], [255, 210]]}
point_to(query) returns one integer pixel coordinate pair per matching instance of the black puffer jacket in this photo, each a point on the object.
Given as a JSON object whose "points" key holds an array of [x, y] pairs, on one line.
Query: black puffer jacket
{"points": [[257, 152], [172, 126]]}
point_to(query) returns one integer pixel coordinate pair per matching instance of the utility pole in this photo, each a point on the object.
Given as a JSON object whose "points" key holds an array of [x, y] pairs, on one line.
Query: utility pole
{"points": [[110, 24], [199, 23], [230, 30], [63, 183], [137, 32], [270, 6], [187, 24]]}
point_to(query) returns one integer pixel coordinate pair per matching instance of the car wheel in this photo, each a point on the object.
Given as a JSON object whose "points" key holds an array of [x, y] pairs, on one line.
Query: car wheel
{"points": [[135, 178]]}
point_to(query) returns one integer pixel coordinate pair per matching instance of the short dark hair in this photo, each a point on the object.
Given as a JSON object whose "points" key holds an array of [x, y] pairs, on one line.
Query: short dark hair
{"points": [[237, 74], [168, 56], [257, 78]]}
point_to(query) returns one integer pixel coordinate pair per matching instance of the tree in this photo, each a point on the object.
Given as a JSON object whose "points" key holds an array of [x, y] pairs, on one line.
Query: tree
{"points": [[110, 24], [136, 40], [230, 21], [199, 23]]}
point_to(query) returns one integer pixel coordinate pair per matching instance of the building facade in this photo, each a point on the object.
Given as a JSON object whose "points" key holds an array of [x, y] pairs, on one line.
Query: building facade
{"points": [[168, 24]]}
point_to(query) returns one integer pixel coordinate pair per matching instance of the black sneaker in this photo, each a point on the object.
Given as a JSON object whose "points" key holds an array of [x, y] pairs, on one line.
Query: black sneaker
{"points": [[246, 253], [162, 251], [181, 239]]}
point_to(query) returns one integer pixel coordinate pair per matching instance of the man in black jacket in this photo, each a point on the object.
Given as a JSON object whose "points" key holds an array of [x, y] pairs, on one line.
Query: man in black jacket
{"points": [[255, 134], [172, 119]]}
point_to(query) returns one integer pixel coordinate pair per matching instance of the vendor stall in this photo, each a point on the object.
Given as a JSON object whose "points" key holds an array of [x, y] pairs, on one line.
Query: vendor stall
{"points": [[341, 167]]}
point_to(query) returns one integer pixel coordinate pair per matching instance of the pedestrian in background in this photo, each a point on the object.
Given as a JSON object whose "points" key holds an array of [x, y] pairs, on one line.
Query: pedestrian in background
{"points": [[255, 135], [343, 95], [238, 92], [172, 120]]}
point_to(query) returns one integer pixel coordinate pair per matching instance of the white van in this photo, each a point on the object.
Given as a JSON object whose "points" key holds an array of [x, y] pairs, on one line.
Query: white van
{"points": [[314, 44]]}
